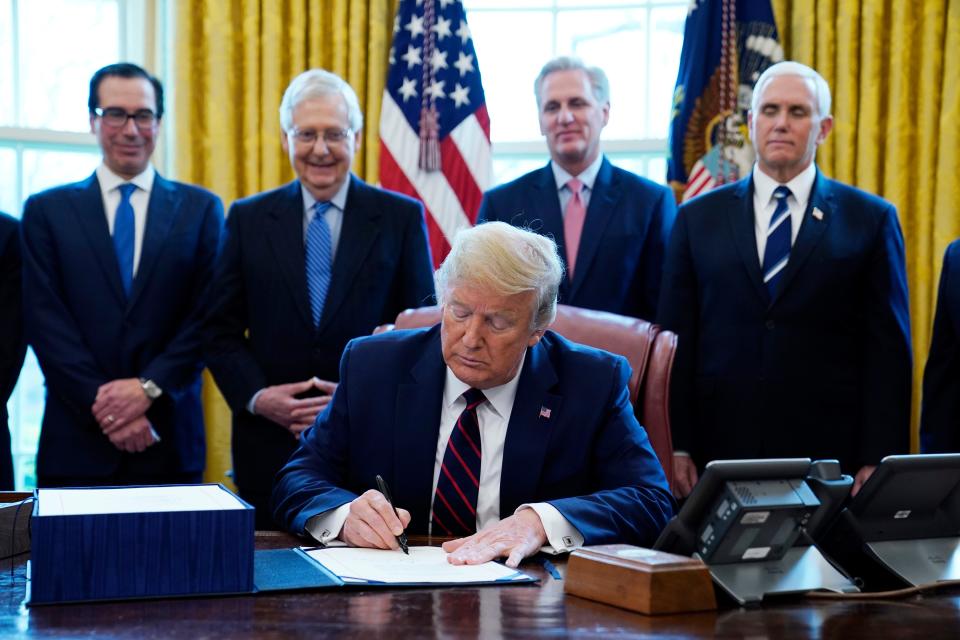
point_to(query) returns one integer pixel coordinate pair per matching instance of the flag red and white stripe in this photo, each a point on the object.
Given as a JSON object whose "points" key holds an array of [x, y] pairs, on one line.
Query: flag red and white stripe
{"points": [[434, 102]]}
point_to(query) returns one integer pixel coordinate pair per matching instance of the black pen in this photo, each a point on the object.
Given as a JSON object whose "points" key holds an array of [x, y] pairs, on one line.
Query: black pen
{"points": [[402, 538]]}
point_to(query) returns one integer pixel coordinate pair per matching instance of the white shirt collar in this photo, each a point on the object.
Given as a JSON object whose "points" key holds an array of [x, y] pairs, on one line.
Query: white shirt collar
{"points": [[500, 397], [339, 199], [588, 176], [109, 180], [800, 186]]}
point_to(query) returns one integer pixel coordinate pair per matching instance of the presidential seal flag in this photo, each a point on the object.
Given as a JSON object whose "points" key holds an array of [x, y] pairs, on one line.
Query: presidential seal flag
{"points": [[727, 44], [434, 127]]}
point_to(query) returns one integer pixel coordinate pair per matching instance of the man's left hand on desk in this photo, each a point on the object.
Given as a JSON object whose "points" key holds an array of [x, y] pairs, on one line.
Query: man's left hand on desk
{"points": [[515, 537]]}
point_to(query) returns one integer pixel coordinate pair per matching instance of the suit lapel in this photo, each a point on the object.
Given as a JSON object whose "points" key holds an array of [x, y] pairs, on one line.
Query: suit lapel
{"points": [[87, 205], [535, 410], [285, 235], [360, 230], [743, 227], [602, 200], [162, 211], [545, 217], [417, 411], [811, 231]]}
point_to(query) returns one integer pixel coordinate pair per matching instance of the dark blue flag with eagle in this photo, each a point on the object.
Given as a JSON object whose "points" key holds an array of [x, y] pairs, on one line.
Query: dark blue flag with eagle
{"points": [[727, 44]]}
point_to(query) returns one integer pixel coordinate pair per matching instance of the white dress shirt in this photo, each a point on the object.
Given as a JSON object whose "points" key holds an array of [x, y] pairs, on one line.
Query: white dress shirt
{"points": [[493, 417], [764, 203], [110, 191], [588, 177]]}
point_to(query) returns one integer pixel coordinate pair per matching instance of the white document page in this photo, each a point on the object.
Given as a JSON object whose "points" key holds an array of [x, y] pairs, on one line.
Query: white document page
{"points": [[73, 502], [424, 565]]}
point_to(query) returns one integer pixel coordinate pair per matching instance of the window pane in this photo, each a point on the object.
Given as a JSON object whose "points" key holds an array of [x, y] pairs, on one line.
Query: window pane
{"points": [[509, 167], [43, 169], [62, 43], [666, 41], [8, 182], [614, 40], [472, 6], [510, 51], [6, 63], [26, 410]]}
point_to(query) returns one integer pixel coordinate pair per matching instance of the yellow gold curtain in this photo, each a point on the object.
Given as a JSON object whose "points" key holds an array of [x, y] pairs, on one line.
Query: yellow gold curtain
{"points": [[232, 62], [894, 69]]}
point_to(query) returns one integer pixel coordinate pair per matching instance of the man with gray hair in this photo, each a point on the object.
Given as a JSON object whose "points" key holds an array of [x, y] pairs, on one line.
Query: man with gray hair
{"points": [[488, 428], [610, 225], [788, 292], [305, 268]]}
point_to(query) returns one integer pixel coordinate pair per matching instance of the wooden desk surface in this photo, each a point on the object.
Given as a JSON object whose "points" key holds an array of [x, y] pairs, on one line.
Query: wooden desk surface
{"points": [[518, 611]]}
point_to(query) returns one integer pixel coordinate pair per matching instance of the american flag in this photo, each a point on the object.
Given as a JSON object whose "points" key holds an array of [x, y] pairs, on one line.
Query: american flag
{"points": [[434, 127]]}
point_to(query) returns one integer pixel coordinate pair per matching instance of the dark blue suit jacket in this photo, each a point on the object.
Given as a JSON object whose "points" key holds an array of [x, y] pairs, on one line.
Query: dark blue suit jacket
{"points": [[821, 370], [620, 259], [261, 331], [85, 331], [590, 459], [940, 417], [12, 344]]}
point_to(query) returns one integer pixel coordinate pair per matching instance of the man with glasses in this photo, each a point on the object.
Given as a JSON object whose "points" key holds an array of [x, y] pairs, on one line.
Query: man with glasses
{"points": [[116, 272], [305, 268]]}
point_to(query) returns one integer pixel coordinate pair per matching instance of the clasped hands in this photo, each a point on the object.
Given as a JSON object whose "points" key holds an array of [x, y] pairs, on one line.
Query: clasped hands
{"points": [[279, 403], [371, 522], [120, 409]]}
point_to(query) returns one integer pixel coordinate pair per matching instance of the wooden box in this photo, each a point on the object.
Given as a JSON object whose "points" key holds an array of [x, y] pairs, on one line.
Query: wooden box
{"points": [[640, 579]]}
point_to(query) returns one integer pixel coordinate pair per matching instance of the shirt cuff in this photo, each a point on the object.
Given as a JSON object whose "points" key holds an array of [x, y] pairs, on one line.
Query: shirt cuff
{"points": [[326, 526], [253, 402], [562, 536]]}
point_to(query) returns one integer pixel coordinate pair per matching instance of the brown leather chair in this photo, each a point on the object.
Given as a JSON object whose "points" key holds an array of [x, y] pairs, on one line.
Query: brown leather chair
{"points": [[648, 349]]}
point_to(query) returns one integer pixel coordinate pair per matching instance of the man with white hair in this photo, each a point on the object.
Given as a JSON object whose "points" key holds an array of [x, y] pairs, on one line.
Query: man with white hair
{"points": [[788, 292], [487, 427], [305, 268], [611, 226]]}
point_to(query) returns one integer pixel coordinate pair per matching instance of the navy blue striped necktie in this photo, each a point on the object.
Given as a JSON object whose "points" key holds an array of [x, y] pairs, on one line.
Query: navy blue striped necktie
{"points": [[124, 235], [319, 252], [455, 503], [779, 237]]}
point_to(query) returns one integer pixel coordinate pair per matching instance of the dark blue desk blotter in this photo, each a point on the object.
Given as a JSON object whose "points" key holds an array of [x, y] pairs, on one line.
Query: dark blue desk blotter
{"points": [[290, 569], [141, 555]]}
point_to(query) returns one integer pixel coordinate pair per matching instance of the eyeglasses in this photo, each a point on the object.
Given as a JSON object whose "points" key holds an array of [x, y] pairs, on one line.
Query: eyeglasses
{"points": [[330, 136], [116, 117]]}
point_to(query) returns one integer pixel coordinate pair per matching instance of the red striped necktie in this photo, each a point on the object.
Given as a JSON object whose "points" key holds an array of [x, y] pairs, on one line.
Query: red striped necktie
{"points": [[455, 503]]}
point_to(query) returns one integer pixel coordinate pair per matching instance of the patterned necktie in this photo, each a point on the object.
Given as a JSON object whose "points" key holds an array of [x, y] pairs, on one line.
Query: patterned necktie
{"points": [[777, 251], [124, 234], [573, 219], [319, 250], [455, 503]]}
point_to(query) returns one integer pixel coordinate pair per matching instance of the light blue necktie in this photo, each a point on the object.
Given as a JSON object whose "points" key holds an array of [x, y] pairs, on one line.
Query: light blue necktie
{"points": [[319, 251], [123, 236], [777, 251]]}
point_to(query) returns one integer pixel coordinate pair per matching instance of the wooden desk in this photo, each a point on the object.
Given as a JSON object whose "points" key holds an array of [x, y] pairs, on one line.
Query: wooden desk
{"points": [[518, 611]]}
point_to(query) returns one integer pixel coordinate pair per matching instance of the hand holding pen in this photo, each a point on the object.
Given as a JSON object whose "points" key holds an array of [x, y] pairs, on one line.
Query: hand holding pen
{"points": [[373, 522], [402, 538]]}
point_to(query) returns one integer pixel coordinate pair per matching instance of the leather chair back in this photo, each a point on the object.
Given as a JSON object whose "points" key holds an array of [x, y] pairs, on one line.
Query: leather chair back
{"points": [[648, 349]]}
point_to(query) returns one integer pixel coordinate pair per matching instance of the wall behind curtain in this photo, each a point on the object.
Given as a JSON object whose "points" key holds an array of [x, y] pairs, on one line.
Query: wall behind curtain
{"points": [[232, 61], [894, 70]]}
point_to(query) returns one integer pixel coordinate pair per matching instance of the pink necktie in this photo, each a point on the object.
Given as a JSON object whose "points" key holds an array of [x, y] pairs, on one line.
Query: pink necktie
{"points": [[573, 219]]}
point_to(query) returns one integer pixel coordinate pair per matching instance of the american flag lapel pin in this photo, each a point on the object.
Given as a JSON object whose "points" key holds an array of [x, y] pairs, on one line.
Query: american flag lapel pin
{"points": [[817, 214], [545, 413]]}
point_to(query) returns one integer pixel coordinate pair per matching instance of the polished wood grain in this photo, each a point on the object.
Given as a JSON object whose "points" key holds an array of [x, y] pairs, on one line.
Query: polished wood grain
{"points": [[519, 611]]}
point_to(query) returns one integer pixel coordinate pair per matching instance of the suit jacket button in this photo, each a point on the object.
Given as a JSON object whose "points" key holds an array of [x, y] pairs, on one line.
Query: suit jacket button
{"points": [[771, 324]]}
